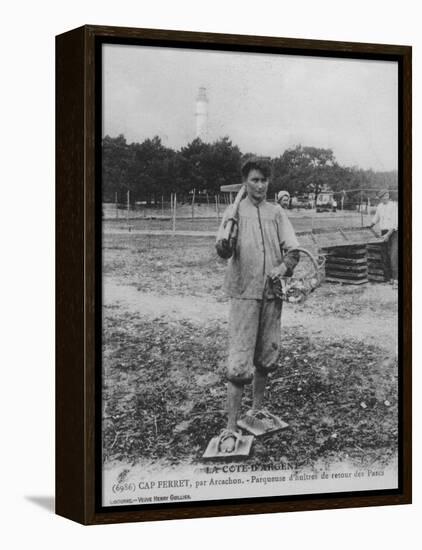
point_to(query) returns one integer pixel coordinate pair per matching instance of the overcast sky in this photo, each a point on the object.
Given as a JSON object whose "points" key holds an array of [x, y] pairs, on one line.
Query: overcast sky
{"points": [[264, 103]]}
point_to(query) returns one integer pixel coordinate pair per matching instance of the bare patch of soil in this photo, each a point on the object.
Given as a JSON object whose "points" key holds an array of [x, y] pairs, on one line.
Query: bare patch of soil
{"points": [[164, 394]]}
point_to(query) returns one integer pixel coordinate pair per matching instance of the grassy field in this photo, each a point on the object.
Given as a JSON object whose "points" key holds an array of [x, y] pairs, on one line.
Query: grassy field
{"points": [[165, 345]]}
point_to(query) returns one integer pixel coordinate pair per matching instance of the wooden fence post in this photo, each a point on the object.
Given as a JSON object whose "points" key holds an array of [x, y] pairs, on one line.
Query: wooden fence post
{"points": [[174, 212]]}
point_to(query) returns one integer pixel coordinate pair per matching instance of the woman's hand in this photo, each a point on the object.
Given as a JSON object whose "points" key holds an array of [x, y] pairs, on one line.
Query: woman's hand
{"points": [[277, 272], [224, 249]]}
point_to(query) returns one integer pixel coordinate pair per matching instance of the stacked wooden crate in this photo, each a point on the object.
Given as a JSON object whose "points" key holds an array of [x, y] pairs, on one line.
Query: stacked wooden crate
{"points": [[353, 254], [376, 268], [346, 264]]}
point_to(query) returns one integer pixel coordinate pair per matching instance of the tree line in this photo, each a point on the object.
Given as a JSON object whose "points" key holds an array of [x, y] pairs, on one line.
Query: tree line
{"points": [[150, 170]]}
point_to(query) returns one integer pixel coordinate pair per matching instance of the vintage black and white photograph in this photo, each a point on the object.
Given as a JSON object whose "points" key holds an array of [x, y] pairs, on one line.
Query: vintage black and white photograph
{"points": [[250, 274]]}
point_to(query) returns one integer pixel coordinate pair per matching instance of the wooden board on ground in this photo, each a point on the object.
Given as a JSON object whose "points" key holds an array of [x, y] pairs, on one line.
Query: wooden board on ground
{"points": [[346, 281], [346, 261], [333, 270]]}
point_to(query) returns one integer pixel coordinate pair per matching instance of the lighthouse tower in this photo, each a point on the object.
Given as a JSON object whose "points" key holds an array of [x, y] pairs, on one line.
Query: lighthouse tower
{"points": [[201, 114]]}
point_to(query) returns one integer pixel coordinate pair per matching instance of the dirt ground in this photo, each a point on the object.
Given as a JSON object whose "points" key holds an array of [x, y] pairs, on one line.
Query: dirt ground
{"points": [[165, 345]]}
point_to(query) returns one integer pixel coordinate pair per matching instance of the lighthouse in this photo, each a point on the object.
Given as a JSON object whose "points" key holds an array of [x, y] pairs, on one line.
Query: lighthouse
{"points": [[201, 114]]}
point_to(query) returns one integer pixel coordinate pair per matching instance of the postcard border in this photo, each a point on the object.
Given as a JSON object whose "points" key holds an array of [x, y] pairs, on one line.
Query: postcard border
{"points": [[78, 277]]}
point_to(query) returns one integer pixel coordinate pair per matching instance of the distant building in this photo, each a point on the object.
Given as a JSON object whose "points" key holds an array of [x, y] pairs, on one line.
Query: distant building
{"points": [[201, 115]]}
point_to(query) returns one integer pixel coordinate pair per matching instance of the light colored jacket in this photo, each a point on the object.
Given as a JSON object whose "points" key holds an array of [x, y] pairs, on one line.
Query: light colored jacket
{"points": [[386, 215], [264, 235]]}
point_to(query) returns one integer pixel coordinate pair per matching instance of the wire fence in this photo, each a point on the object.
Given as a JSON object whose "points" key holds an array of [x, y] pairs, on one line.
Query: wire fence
{"points": [[204, 215]]}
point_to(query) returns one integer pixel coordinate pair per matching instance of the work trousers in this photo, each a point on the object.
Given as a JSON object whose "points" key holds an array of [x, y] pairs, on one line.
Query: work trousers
{"points": [[389, 252], [254, 338]]}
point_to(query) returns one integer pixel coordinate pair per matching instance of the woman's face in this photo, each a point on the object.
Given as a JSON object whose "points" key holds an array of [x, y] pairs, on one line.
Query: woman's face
{"points": [[256, 185], [284, 201]]}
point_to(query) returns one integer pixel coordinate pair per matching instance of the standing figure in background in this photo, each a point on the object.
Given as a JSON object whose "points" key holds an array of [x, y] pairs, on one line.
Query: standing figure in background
{"points": [[386, 216], [283, 199]]}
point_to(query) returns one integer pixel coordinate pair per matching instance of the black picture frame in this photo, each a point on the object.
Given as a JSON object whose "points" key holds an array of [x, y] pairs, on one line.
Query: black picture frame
{"points": [[78, 272]]}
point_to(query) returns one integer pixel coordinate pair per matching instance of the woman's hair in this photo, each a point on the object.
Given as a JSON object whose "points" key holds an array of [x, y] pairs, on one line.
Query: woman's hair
{"points": [[256, 163]]}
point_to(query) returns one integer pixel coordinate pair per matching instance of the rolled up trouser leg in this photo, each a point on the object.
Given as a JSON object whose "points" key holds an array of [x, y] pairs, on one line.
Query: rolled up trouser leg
{"points": [[244, 319], [267, 349]]}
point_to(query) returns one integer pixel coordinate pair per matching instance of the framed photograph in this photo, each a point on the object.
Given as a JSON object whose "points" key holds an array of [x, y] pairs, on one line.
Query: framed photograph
{"points": [[233, 274]]}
